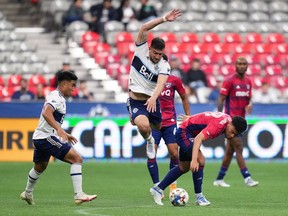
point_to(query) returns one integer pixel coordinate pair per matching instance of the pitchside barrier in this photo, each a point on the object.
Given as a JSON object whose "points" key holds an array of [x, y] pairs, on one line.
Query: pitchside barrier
{"points": [[104, 132]]}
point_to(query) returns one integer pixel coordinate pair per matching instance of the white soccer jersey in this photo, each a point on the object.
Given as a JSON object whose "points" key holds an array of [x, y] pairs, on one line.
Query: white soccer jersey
{"points": [[58, 102], [143, 72]]}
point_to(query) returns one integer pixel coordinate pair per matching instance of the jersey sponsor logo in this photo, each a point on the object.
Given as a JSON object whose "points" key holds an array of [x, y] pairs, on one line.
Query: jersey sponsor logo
{"points": [[166, 92], [242, 93], [143, 70], [135, 110]]}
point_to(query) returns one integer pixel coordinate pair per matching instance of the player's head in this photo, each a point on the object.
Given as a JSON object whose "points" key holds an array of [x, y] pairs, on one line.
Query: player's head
{"points": [[67, 82], [156, 49], [237, 126], [241, 65]]}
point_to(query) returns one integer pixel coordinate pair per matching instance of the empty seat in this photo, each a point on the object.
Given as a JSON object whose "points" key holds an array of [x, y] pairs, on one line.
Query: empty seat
{"points": [[256, 81], [244, 27], [212, 16], [90, 36], [236, 16], [275, 38], [243, 49], [254, 38], [254, 70], [258, 6], [217, 5], [2, 82], [36, 79], [14, 80], [171, 4], [224, 48], [272, 70], [196, 5], [278, 6], [210, 69], [232, 38], [267, 27], [280, 59], [112, 28], [211, 38], [223, 27], [124, 37], [281, 49], [189, 16], [279, 17], [125, 48], [227, 70], [202, 48], [199, 26], [189, 37], [237, 5], [168, 37], [258, 16]]}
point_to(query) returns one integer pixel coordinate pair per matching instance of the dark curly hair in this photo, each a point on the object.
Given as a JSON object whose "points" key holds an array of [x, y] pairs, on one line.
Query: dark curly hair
{"points": [[239, 123]]}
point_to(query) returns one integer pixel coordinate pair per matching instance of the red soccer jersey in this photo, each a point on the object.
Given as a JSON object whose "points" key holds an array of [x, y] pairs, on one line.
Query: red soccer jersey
{"points": [[239, 93], [166, 99], [211, 124]]}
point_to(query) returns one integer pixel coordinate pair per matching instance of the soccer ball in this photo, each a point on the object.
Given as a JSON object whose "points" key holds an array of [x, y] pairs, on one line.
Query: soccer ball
{"points": [[179, 197]]}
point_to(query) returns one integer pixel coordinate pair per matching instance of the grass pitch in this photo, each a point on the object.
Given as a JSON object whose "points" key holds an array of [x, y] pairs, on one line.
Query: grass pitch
{"points": [[123, 189]]}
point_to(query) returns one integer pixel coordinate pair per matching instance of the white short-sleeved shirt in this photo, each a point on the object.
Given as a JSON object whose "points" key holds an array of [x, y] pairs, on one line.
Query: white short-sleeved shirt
{"points": [[144, 73], [58, 102]]}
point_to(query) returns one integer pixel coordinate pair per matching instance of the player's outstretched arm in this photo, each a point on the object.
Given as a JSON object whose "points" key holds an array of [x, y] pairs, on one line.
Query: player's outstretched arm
{"points": [[146, 27]]}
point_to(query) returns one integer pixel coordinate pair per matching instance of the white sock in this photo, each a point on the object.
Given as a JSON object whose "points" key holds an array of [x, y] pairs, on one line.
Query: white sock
{"points": [[198, 194], [32, 180], [149, 138], [156, 184], [76, 175]]}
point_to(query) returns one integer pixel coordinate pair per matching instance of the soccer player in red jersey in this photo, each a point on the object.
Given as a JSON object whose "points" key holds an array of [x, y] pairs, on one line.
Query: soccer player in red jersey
{"points": [[169, 125], [236, 93], [189, 137]]}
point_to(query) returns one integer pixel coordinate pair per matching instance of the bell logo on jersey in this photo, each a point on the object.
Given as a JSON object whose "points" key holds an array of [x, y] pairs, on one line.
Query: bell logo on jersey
{"points": [[242, 93]]}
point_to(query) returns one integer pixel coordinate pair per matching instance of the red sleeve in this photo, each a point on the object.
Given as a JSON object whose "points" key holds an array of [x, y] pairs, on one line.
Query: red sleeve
{"points": [[226, 87], [179, 86]]}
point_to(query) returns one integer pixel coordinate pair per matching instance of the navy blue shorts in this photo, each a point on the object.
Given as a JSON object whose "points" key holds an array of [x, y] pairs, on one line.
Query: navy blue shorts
{"points": [[44, 148], [185, 141], [137, 107], [167, 133]]}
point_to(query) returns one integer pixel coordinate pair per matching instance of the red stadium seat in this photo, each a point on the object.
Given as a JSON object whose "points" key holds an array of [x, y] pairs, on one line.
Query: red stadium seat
{"points": [[232, 38], [90, 36], [223, 48], [275, 38], [124, 48], [281, 49], [280, 59], [100, 58], [257, 59], [211, 38], [212, 59], [254, 70], [256, 81], [124, 37], [123, 81], [279, 82], [35, 79], [231, 59], [254, 38], [14, 80], [168, 37], [272, 70], [48, 89], [102, 47], [188, 37], [210, 69], [171, 47], [243, 49], [227, 70], [112, 59], [211, 81], [89, 46], [202, 48], [263, 48]]}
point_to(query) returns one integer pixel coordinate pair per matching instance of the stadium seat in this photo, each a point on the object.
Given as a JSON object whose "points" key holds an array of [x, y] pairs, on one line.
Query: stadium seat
{"points": [[90, 47], [14, 80], [256, 81], [2, 82], [279, 82], [36, 79], [100, 58], [236, 17], [171, 4], [112, 69], [211, 38], [124, 48], [254, 70], [189, 37], [210, 69], [48, 89], [244, 27], [217, 5], [237, 6], [6, 93], [243, 49], [279, 17], [263, 48], [223, 48], [281, 49], [202, 48], [90, 36], [266, 27], [258, 16], [232, 38], [258, 5], [275, 38], [190, 16], [227, 70], [213, 16], [123, 81], [272, 70], [222, 27], [168, 37], [112, 28], [123, 37], [276, 6], [280, 59], [199, 6], [254, 38]]}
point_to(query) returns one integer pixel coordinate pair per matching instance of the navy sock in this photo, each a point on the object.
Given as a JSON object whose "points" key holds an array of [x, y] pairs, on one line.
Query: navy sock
{"points": [[153, 170], [245, 173], [198, 179], [222, 173], [171, 176], [173, 163]]}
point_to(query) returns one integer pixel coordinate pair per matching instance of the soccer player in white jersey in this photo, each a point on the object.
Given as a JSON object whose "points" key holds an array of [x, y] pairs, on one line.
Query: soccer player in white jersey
{"points": [[148, 75], [50, 139]]}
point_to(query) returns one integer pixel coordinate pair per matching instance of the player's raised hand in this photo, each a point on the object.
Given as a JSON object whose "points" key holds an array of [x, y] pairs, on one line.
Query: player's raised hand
{"points": [[172, 15]]}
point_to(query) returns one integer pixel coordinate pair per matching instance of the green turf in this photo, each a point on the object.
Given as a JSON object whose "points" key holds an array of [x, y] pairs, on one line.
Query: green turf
{"points": [[123, 189]]}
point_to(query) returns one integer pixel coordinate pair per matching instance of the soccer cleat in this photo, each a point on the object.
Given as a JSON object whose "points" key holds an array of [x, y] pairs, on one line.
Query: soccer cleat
{"points": [[150, 149], [202, 201], [220, 183], [157, 195], [27, 197], [250, 182], [79, 199]]}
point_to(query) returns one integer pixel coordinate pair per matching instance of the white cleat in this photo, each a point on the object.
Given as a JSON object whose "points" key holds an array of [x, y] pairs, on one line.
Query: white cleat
{"points": [[27, 197], [157, 196], [150, 149], [202, 201], [220, 183], [79, 199], [250, 182]]}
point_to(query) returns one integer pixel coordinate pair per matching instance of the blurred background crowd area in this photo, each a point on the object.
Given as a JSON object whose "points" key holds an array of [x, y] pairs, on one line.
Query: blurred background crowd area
{"points": [[95, 39]]}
